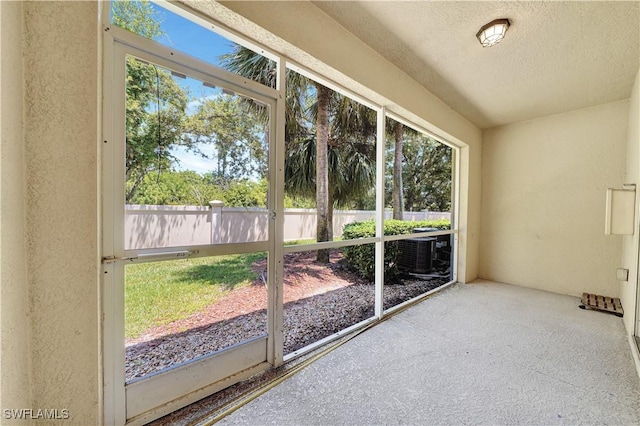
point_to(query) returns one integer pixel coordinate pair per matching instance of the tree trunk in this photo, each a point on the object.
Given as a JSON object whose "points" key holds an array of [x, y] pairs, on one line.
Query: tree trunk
{"points": [[322, 172], [129, 194], [397, 174], [330, 213]]}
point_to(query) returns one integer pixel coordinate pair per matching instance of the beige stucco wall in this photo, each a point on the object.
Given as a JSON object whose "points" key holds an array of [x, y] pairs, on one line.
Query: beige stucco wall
{"points": [[631, 244], [61, 140], [543, 200], [15, 334], [306, 35]]}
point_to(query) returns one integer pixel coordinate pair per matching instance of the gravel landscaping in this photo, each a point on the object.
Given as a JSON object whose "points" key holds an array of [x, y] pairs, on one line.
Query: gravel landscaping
{"points": [[320, 300]]}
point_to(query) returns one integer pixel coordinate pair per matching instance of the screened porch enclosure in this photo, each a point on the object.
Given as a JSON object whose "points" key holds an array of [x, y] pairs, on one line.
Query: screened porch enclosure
{"points": [[254, 217]]}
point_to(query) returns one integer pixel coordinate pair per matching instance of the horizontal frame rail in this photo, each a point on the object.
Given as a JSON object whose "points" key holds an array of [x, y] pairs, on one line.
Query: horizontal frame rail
{"points": [[417, 235], [329, 245]]}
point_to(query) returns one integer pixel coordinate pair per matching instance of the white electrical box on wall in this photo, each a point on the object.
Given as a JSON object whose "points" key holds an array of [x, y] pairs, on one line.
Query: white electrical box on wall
{"points": [[622, 274], [620, 211]]}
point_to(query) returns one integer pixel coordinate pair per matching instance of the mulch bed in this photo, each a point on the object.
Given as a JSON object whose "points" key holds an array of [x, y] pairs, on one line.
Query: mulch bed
{"points": [[319, 300]]}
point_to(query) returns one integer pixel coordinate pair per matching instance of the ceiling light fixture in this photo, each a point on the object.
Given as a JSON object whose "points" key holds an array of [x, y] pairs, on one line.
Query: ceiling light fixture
{"points": [[493, 32]]}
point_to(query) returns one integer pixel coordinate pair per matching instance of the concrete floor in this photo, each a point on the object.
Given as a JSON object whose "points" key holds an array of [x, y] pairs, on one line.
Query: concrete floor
{"points": [[484, 353]]}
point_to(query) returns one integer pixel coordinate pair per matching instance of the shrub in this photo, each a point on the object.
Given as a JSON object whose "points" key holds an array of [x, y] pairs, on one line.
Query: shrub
{"points": [[362, 257]]}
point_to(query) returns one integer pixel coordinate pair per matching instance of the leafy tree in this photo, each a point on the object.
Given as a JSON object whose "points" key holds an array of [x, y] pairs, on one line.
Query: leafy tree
{"points": [[426, 173], [138, 17], [235, 131], [191, 188], [155, 113], [155, 103], [246, 193], [175, 188]]}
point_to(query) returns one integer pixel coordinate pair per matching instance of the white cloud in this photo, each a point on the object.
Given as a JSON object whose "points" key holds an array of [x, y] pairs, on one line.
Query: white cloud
{"points": [[193, 105], [193, 161]]}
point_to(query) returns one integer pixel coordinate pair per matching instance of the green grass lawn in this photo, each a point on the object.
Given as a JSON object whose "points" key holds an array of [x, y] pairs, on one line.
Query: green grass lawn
{"points": [[158, 293]]}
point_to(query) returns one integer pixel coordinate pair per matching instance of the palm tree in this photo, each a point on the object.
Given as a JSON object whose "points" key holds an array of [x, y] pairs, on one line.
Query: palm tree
{"points": [[323, 158], [324, 223], [351, 172], [397, 192]]}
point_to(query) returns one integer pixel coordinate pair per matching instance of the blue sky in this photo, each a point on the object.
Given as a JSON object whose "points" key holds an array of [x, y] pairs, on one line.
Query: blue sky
{"points": [[191, 38]]}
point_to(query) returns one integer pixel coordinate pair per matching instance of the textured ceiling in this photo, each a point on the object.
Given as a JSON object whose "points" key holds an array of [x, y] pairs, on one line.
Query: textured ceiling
{"points": [[556, 57]]}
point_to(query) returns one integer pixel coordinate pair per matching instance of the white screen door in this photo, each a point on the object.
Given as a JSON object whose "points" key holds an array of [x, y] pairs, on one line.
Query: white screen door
{"points": [[188, 228]]}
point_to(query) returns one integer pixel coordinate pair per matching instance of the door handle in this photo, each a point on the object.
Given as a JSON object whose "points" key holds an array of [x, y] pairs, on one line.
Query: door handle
{"points": [[148, 257]]}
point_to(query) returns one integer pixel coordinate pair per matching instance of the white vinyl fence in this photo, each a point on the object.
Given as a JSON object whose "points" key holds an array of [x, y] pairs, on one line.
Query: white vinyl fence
{"points": [[171, 226]]}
